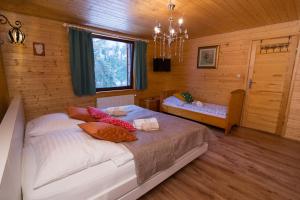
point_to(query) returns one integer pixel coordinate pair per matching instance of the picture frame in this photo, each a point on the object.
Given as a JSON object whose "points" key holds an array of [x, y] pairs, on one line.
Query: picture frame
{"points": [[208, 57], [38, 49]]}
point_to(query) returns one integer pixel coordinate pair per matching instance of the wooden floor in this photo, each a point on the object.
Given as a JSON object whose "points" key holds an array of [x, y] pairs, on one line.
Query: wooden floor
{"points": [[245, 165]]}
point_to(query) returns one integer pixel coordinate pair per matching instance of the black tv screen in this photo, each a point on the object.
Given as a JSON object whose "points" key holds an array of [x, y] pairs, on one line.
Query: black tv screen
{"points": [[161, 65]]}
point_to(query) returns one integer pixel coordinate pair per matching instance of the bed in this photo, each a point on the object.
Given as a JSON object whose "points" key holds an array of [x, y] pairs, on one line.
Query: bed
{"points": [[104, 180], [224, 117]]}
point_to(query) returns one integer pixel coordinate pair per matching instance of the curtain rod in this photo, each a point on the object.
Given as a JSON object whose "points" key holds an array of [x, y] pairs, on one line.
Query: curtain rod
{"points": [[104, 33]]}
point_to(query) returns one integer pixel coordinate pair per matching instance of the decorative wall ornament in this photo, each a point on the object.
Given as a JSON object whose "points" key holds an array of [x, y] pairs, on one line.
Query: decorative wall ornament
{"points": [[170, 42], [15, 35], [38, 49], [207, 57], [274, 48]]}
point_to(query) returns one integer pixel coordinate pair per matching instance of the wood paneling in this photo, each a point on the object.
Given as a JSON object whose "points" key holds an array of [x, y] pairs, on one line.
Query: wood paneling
{"points": [[293, 117], [45, 81], [215, 85], [138, 17], [3, 90], [246, 165], [270, 76]]}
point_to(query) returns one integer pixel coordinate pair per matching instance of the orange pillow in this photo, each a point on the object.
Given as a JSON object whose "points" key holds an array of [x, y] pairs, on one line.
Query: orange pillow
{"points": [[179, 96], [80, 114], [109, 132]]}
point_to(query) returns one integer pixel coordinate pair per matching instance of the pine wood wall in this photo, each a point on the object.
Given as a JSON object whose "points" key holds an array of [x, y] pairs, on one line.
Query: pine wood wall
{"points": [[3, 90], [45, 82], [214, 85], [293, 117]]}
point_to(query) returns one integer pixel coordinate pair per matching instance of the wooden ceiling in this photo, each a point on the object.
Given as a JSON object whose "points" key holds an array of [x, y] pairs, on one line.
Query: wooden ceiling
{"points": [[137, 17]]}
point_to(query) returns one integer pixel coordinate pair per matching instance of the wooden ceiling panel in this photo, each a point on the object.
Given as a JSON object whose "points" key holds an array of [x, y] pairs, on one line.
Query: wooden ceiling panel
{"points": [[137, 17]]}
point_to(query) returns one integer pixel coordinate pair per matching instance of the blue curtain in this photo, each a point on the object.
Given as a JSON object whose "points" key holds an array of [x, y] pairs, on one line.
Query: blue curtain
{"points": [[140, 65], [82, 62]]}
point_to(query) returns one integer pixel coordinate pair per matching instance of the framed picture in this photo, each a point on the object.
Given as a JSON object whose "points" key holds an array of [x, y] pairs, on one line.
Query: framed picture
{"points": [[207, 57], [38, 49]]}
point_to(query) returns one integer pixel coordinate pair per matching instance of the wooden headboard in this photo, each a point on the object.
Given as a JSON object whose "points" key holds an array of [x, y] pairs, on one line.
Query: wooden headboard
{"points": [[11, 145], [166, 93]]}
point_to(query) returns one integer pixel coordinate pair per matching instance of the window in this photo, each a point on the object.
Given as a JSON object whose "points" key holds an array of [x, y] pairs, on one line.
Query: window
{"points": [[113, 63]]}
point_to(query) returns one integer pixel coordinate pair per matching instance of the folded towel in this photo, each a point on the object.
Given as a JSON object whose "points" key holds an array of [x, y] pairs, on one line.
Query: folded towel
{"points": [[198, 103], [117, 111], [150, 124]]}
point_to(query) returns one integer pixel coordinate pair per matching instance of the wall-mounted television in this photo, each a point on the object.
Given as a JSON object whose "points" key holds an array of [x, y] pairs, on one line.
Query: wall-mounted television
{"points": [[161, 65]]}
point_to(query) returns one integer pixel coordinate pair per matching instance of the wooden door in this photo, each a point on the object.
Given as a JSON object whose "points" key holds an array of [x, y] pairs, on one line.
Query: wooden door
{"points": [[270, 71]]}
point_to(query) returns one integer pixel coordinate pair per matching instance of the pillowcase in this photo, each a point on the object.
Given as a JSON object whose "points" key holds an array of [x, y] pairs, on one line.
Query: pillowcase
{"points": [[117, 111], [173, 101], [179, 96], [80, 114], [188, 97], [108, 132], [67, 152], [118, 122], [59, 155], [97, 113], [50, 123]]}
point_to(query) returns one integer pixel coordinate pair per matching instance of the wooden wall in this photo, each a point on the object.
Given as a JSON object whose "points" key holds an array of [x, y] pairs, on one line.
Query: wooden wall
{"points": [[45, 81], [3, 90], [214, 85], [293, 117]]}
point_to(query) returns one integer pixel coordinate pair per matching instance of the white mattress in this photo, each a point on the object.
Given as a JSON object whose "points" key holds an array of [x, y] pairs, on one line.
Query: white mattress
{"points": [[83, 185], [207, 108]]}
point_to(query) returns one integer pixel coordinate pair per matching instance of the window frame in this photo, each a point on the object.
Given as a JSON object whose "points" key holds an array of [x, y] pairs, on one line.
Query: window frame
{"points": [[131, 66]]}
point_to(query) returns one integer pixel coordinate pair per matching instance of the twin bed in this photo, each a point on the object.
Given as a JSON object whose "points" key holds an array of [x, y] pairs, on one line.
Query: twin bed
{"points": [[216, 115], [144, 163]]}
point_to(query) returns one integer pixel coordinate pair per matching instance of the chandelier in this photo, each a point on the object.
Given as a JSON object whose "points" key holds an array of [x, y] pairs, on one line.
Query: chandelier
{"points": [[170, 43]]}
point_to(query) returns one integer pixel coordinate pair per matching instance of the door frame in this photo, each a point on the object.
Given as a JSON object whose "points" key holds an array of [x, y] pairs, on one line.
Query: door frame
{"points": [[292, 87], [294, 41]]}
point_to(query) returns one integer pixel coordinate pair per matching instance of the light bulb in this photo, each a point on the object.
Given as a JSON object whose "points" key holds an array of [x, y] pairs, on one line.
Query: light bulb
{"points": [[172, 31], [156, 29], [180, 21]]}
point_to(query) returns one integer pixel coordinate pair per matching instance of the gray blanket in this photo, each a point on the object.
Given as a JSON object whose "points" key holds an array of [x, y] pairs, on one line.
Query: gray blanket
{"points": [[157, 150]]}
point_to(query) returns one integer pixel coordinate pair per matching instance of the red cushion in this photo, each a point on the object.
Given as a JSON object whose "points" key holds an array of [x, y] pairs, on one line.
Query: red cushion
{"points": [[80, 114], [97, 113], [118, 122]]}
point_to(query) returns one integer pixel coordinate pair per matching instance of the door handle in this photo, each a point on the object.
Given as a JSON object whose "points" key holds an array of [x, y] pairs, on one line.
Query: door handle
{"points": [[251, 83]]}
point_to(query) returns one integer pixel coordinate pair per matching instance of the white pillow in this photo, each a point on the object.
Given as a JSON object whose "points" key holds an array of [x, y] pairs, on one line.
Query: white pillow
{"points": [[65, 152], [172, 100], [50, 123], [101, 150]]}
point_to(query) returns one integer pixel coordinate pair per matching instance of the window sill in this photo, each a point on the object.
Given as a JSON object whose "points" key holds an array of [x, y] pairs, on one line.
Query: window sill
{"points": [[116, 91]]}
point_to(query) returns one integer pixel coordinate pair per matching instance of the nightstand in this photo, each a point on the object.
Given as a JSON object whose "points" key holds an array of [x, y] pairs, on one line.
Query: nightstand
{"points": [[151, 103]]}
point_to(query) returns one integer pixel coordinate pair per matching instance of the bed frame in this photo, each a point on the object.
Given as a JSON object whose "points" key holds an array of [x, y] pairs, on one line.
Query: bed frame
{"points": [[11, 145], [233, 117]]}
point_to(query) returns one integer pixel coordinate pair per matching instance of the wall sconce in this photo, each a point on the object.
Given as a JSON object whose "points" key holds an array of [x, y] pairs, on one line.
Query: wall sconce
{"points": [[15, 35]]}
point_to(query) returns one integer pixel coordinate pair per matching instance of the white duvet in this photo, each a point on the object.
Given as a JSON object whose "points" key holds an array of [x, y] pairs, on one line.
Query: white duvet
{"points": [[65, 149]]}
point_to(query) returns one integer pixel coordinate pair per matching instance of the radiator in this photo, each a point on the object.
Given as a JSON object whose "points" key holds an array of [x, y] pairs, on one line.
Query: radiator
{"points": [[104, 102]]}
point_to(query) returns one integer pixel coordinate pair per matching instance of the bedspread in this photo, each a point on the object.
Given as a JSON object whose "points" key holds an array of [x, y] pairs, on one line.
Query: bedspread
{"points": [[157, 150]]}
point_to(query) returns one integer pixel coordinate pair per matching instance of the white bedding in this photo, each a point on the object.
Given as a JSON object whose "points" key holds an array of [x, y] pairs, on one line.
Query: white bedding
{"points": [[206, 108], [82, 185], [73, 149], [116, 174]]}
